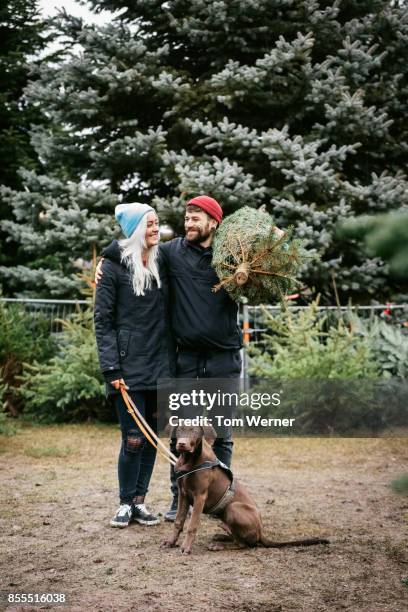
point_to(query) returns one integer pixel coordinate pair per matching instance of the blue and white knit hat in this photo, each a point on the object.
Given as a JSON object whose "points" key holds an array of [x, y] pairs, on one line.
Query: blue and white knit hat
{"points": [[129, 216]]}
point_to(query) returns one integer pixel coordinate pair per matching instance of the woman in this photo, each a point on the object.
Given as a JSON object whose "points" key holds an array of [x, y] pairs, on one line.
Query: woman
{"points": [[132, 337]]}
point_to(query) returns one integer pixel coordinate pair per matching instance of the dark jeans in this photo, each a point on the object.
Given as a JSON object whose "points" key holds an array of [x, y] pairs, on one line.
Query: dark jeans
{"points": [[137, 455], [208, 364]]}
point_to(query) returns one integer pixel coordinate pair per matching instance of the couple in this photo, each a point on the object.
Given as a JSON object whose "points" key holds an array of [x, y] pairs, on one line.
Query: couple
{"points": [[148, 297]]}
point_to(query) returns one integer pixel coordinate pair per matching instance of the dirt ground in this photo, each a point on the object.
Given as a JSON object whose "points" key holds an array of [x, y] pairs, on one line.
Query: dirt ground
{"points": [[59, 491]]}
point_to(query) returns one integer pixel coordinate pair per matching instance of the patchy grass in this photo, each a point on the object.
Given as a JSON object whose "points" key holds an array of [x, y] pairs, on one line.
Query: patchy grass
{"points": [[400, 484], [335, 488], [46, 451]]}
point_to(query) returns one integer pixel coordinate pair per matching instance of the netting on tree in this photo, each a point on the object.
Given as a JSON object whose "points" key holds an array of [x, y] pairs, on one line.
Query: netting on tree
{"points": [[252, 260]]}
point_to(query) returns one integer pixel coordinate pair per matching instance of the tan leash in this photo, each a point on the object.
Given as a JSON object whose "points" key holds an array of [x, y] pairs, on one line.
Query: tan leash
{"points": [[145, 428]]}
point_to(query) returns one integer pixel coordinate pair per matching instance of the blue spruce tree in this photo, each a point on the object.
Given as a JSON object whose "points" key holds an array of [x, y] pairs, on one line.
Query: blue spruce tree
{"points": [[296, 105]]}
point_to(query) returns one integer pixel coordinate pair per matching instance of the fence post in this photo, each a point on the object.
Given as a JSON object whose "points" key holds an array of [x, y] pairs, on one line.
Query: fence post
{"points": [[246, 338]]}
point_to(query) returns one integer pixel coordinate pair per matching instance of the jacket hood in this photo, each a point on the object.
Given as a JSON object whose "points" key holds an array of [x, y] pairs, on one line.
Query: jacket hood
{"points": [[112, 251]]}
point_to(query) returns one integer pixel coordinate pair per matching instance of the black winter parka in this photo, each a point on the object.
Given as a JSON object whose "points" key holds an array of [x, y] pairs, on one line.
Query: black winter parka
{"points": [[201, 320], [132, 332]]}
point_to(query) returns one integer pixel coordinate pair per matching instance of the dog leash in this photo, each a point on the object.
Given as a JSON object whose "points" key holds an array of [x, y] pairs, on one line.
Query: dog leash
{"points": [[145, 428]]}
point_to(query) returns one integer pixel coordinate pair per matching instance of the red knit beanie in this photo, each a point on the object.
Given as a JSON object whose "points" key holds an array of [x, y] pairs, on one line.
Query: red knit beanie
{"points": [[209, 205]]}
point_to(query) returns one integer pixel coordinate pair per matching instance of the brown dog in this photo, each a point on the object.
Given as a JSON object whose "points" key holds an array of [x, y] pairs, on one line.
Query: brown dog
{"points": [[209, 487]]}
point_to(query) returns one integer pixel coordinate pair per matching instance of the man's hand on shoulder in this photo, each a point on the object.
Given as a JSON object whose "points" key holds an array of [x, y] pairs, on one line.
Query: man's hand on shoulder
{"points": [[278, 232]]}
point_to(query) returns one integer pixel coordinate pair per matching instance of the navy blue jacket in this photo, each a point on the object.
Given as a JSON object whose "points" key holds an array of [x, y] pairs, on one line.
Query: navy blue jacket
{"points": [[132, 332], [200, 318]]}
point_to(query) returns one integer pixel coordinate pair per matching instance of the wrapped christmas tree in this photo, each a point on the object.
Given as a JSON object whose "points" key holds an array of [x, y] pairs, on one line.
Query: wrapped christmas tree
{"points": [[253, 259]]}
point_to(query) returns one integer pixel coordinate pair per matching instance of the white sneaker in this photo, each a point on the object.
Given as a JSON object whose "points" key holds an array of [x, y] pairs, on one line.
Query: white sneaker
{"points": [[122, 517]]}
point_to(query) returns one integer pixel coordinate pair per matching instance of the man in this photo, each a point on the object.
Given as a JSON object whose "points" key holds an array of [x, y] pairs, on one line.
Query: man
{"points": [[204, 323]]}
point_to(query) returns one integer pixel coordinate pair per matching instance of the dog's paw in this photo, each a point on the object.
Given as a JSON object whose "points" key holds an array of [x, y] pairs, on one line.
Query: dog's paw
{"points": [[215, 547], [222, 537], [170, 543], [185, 549]]}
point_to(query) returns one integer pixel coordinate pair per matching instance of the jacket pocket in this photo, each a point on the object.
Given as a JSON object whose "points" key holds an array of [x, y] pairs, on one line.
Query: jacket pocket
{"points": [[137, 345], [123, 343], [131, 344]]}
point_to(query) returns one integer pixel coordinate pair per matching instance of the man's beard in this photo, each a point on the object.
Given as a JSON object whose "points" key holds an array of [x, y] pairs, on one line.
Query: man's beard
{"points": [[201, 236]]}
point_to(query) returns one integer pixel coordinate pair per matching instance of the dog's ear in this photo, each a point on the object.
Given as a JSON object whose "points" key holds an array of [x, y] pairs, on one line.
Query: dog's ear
{"points": [[199, 447], [210, 435], [171, 430]]}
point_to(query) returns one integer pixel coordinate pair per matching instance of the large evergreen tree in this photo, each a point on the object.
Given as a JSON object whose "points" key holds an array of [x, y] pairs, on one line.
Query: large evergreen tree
{"points": [[20, 38], [383, 235], [296, 104]]}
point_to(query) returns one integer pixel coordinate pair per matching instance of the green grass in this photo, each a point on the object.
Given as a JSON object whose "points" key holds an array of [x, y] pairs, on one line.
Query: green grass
{"points": [[400, 484], [47, 451]]}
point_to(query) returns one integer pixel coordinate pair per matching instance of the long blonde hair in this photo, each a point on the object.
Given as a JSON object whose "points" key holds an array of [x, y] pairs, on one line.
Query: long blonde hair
{"points": [[131, 256]]}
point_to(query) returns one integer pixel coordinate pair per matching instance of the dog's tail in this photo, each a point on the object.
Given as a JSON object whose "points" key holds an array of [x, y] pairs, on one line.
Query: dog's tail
{"points": [[306, 542]]}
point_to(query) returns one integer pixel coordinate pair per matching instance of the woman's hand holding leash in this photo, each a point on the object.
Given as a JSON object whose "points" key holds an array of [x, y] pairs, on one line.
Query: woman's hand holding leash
{"points": [[118, 383]]}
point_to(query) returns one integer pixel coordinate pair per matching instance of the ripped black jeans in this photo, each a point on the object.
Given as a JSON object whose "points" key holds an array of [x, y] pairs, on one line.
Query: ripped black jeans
{"points": [[137, 455]]}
